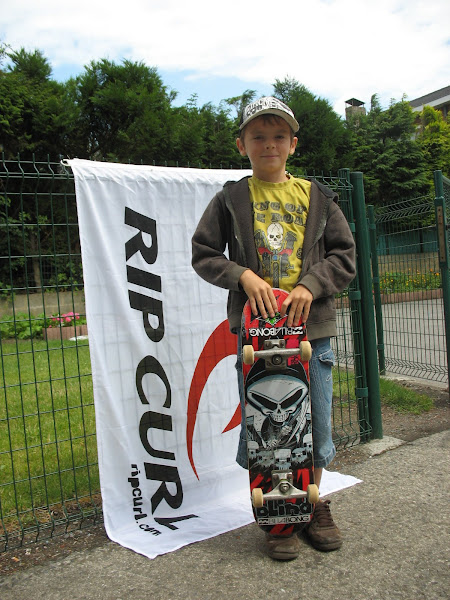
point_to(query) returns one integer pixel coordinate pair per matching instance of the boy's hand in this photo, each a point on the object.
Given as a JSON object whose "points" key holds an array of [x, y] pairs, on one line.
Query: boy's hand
{"points": [[259, 293], [299, 301]]}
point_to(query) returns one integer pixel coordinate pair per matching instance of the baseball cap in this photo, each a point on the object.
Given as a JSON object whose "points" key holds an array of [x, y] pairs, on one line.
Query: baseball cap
{"points": [[269, 105]]}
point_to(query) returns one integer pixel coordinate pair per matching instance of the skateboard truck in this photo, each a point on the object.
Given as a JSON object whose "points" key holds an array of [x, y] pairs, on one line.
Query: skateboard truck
{"points": [[284, 488], [275, 353]]}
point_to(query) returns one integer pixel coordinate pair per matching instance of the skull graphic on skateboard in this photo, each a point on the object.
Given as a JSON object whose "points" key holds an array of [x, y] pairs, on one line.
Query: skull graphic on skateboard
{"points": [[278, 421]]}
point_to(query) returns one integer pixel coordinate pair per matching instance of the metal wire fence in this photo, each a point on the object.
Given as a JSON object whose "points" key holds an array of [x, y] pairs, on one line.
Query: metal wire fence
{"points": [[49, 479], [410, 291]]}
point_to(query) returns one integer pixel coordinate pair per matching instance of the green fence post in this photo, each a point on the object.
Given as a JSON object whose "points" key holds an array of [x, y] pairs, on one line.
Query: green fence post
{"points": [[365, 276], [376, 288], [443, 246], [354, 297]]}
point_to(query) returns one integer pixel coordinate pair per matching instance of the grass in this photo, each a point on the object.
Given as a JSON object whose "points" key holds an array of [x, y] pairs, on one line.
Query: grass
{"points": [[392, 394], [403, 399], [48, 451]]}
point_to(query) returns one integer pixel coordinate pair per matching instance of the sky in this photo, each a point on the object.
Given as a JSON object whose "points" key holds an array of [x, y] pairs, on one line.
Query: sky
{"points": [[338, 49]]}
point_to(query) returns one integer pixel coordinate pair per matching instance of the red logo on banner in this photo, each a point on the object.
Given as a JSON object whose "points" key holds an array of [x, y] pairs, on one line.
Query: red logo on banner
{"points": [[220, 344]]}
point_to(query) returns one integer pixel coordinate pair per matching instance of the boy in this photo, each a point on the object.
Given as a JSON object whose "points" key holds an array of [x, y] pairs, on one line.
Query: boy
{"points": [[289, 233]]}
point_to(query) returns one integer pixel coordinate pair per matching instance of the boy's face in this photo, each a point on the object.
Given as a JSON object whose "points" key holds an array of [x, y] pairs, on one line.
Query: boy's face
{"points": [[268, 143]]}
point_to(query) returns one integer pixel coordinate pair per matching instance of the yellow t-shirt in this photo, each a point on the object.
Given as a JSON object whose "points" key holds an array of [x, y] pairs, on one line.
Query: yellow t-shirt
{"points": [[279, 216]]}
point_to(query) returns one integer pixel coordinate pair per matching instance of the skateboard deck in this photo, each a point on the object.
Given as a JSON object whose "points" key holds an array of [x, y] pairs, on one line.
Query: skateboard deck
{"points": [[278, 421]]}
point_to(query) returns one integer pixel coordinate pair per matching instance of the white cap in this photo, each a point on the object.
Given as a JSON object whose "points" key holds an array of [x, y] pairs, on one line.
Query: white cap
{"points": [[272, 106]]}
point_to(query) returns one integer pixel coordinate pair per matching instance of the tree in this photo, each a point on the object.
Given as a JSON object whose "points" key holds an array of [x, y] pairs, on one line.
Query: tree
{"points": [[3, 52], [124, 112], [434, 139], [322, 137], [35, 119], [385, 150], [220, 137], [187, 136], [34, 111], [240, 102], [33, 65]]}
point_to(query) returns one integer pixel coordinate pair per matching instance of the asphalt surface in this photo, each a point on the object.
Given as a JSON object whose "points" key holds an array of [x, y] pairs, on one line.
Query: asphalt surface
{"points": [[396, 528], [411, 350]]}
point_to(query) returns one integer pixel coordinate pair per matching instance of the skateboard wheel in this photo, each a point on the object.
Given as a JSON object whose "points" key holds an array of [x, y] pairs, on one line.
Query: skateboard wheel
{"points": [[305, 351], [257, 497], [248, 355], [312, 493]]}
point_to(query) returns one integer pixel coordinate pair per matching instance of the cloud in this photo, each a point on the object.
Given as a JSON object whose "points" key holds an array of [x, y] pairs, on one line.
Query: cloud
{"points": [[336, 48]]}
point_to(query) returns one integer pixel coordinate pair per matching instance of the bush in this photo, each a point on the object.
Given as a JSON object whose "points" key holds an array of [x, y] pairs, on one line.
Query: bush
{"points": [[22, 327], [408, 281], [66, 320]]}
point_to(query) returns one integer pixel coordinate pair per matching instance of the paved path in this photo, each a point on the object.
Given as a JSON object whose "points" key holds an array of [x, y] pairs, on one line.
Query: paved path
{"points": [[396, 525], [414, 339]]}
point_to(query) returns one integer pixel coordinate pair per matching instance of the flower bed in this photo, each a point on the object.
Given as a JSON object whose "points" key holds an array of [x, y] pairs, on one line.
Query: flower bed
{"points": [[65, 327], [65, 333]]}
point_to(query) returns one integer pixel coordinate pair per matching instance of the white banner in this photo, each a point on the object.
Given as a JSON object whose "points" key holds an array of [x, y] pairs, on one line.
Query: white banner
{"points": [[165, 386]]}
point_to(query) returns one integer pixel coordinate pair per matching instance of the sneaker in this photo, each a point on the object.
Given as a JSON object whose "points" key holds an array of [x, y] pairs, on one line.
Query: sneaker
{"points": [[282, 547], [322, 531]]}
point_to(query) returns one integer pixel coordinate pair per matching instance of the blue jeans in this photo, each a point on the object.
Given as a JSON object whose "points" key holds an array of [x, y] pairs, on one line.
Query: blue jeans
{"points": [[321, 393]]}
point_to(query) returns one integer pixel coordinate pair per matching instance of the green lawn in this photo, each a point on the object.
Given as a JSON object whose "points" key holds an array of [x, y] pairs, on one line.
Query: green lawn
{"points": [[48, 451]]}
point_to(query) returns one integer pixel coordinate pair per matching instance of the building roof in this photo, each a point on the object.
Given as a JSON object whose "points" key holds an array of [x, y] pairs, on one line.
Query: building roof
{"points": [[435, 99], [354, 102]]}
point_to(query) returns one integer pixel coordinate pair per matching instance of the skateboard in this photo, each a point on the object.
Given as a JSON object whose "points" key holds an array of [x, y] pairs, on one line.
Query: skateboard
{"points": [[278, 421]]}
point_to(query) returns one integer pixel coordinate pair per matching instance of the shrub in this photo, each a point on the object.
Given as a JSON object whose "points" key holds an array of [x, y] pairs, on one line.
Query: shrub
{"points": [[408, 281], [23, 326]]}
